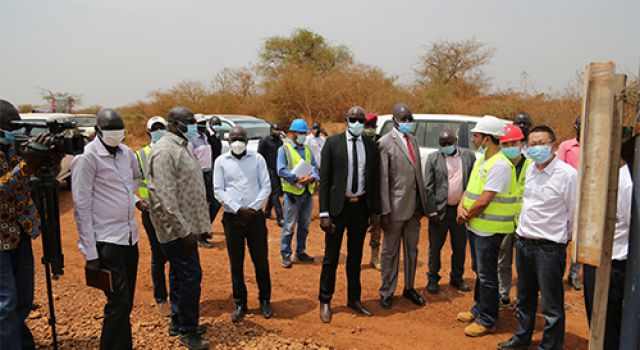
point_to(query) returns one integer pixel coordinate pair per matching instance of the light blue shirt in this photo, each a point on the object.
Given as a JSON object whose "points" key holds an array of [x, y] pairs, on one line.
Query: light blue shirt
{"points": [[284, 172], [241, 182]]}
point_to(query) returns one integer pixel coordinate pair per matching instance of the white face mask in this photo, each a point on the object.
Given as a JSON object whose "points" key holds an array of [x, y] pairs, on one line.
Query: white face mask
{"points": [[112, 138], [238, 147]]}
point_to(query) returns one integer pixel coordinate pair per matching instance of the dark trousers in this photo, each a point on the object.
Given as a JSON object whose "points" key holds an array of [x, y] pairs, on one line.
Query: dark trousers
{"points": [[484, 261], [122, 261], [437, 236], [214, 205], [274, 197], [540, 267], [185, 277], [16, 295], [354, 218], [614, 304], [158, 260], [255, 235]]}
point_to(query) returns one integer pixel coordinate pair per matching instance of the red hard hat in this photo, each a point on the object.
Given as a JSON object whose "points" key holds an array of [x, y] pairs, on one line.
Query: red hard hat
{"points": [[371, 118], [512, 133]]}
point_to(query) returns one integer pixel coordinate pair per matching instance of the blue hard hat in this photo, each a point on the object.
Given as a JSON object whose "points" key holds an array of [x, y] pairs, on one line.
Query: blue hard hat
{"points": [[299, 125]]}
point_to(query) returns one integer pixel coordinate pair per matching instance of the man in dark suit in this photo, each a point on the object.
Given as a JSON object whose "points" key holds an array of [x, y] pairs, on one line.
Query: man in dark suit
{"points": [[446, 174], [349, 199]]}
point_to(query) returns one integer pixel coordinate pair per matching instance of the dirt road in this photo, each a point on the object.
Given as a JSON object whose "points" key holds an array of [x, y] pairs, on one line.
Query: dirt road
{"points": [[295, 324]]}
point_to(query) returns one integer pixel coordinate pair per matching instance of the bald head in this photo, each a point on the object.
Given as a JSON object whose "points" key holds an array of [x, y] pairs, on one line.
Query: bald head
{"points": [[109, 119], [402, 113], [447, 138], [8, 113], [181, 114], [238, 133]]}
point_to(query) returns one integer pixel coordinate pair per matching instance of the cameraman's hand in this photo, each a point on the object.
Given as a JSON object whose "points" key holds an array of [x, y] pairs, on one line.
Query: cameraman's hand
{"points": [[190, 243], [93, 265], [44, 141]]}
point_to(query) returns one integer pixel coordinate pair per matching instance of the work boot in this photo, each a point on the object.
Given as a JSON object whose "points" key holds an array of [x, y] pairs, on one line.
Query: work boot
{"points": [[477, 330], [325, 312], [375, 258], [194, 341], [466, 317]]}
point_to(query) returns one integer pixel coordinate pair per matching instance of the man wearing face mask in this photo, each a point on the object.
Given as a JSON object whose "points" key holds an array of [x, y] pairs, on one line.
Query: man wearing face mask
{"points": [[403, 202], [316, 141], [104, 181], [156, 128], [298, 193], [349, 199], [241, 183], [488, 208], [446, 174], [370, 128], [19, 224], [544, 230], [179, 214], [199, 146], [268, 148], [511, 147]]}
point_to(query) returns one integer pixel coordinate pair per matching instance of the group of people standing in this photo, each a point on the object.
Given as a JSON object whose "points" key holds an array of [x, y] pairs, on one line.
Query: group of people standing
{"points": [[512, 191]]}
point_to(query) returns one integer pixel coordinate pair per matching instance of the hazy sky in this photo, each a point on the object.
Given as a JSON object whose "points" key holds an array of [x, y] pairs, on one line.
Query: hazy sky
{"points": [[114, 52]]}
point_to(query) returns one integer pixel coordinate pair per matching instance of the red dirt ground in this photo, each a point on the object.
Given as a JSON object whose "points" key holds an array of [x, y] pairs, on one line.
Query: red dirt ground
{"points": [[295, 324]]}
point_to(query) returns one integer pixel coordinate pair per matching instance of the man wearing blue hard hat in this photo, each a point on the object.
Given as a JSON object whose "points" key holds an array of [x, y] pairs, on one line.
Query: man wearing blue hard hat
{"points": [[298, 184]]}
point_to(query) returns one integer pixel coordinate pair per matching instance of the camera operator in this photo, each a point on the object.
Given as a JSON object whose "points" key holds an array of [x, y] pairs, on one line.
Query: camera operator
{"points": [[19, 223], [105, 178]]}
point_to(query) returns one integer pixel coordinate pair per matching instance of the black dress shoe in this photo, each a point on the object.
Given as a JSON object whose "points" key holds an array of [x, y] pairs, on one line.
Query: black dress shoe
{"points": [[512, 344], [412, 295], [305, 258], [175, 330], [325, 312], [238, 313], [385, 302], [359, 308], [194, 341], [265, 308], [203, 243], [460, 285], [433, 288]]}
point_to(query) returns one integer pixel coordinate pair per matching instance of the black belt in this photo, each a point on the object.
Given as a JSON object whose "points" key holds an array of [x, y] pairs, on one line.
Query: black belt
{"points": [[539, 241]]}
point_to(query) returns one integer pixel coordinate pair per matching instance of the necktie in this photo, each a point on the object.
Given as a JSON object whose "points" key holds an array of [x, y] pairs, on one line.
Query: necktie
{"points": [[413, 156], [354, 167]]}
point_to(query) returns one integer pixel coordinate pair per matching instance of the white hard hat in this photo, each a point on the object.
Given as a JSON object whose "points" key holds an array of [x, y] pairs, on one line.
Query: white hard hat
{"points": [[490, 125], [156, 119]]}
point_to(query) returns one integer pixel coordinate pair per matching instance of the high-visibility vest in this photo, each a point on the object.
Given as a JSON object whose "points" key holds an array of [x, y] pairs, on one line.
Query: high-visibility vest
{"points": [[499, 216], [521, 179], [292, 157], [143, 158]]}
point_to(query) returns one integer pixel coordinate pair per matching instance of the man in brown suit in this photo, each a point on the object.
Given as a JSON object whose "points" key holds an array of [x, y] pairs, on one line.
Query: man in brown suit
{"points": [[403, 203]]}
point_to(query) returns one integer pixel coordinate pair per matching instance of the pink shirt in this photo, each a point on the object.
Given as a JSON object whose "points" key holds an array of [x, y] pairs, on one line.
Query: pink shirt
{"points": [[569, 152], [454, 170]]}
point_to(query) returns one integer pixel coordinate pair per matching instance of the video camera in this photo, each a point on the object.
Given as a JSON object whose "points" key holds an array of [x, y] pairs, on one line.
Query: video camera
{"points": [[66, 138]]}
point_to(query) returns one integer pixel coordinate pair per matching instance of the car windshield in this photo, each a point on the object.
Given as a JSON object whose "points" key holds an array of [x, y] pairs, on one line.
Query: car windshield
{"points": [[428, 131], [256, 129], [84, 121]]}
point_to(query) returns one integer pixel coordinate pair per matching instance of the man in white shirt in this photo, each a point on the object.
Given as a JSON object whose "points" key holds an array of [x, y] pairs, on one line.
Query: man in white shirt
{"points": [[544, 229], [618, 263], [241, 184], [105, 178], [316, 141]]}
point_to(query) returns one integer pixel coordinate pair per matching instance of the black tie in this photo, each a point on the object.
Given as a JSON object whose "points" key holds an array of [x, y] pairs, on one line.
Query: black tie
{"points": [[354, 167]]}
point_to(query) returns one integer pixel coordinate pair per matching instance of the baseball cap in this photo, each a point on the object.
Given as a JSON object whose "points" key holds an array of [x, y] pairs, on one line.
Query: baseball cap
{"points": [[156, 119]]}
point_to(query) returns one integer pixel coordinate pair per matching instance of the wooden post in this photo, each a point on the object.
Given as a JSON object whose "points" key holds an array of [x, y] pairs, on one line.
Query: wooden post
{"points": [[603, 271]]}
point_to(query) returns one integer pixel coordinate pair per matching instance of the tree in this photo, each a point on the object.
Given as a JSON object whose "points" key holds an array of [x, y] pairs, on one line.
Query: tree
{"points": [[447, 62], [50, 96], [303, 48]]}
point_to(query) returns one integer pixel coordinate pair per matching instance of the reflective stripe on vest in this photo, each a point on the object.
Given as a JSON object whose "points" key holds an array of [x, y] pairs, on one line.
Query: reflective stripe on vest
{"points": [[143, 156], [293, 157], [500, 214]]}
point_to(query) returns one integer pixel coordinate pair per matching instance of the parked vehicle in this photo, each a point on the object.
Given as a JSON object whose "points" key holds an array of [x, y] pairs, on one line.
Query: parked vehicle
{"points": [[86, 124], [429, 126], [256, 128]]}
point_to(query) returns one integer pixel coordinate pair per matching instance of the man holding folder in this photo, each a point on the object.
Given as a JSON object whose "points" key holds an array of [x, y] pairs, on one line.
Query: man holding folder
{"points": [[298, 171]]}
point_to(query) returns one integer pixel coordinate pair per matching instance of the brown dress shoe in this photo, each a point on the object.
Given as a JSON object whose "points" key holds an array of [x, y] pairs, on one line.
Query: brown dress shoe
{"points": [[359, 308], [325, 312]]}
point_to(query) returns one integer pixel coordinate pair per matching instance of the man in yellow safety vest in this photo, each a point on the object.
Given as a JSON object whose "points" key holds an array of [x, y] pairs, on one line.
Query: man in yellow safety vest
{"points": [[488, 208]]}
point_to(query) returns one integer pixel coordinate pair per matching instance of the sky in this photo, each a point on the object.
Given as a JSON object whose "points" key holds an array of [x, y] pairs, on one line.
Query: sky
{"points": [[114, 52]]}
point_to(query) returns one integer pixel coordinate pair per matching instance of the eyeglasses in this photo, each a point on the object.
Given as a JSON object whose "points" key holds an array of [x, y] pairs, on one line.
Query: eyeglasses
{"points": [[356, 119]]}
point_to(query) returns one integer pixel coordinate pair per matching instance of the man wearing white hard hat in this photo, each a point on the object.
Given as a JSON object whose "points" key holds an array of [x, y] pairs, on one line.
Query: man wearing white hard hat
{"points": [[488, 208], [156, 128]]}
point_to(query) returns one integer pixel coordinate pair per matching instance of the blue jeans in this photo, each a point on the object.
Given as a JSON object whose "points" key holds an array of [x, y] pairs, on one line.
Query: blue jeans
{"points": [[185, 276], [16, 295], [297, 209], [484, 261], [540, 267]]}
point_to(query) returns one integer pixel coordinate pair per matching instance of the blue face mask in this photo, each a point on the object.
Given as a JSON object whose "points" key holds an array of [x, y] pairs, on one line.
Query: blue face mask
{"points": [[511, 152], [10, 136], [539, 154], [156, 135], [300, 139], [448, 150], [215, 127], [356, 128], [192, 131], [405, 128]]}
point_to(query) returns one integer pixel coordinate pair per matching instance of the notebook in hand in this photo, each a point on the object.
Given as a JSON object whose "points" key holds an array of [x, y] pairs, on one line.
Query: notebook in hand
{"points": [[100, 279]]}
